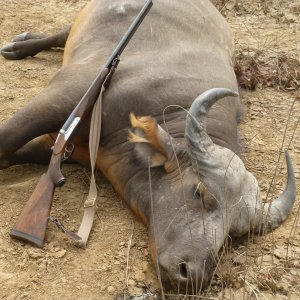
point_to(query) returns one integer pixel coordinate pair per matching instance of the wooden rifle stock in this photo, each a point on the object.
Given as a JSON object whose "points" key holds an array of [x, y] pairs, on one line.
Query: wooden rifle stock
{"points": [[32, 222]]}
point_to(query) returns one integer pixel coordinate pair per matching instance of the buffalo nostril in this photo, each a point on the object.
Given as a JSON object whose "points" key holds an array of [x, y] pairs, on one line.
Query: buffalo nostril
{"points": [[183, 270]]}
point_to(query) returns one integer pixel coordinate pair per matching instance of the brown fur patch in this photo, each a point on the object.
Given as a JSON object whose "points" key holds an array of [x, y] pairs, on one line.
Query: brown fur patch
{"points": [[77, 28], [136, 210], [153, 250], [158, 159], [133, 138], [149, 127]]}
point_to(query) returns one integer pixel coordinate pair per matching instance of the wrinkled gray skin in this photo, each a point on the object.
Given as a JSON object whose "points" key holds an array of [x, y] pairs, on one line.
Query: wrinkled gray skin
{"points": [[200, 191]]}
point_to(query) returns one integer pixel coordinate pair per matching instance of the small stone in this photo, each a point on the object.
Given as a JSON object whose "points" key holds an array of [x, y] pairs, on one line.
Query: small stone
{"points": [[35, 254], [280, 253], [131, 282], [111, 289], [60, 254], [294, 272]]}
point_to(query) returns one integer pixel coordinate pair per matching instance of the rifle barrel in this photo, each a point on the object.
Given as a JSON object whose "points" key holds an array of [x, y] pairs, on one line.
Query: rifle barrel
{"points": [[94, 89]]}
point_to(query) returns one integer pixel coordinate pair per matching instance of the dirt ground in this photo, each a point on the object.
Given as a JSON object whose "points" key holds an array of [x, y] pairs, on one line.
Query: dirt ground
{"points": [[256, 268]]}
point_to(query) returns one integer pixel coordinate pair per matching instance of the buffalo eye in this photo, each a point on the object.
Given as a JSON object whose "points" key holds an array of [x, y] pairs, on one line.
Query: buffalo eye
{"points": [[207, 201], [197, 192]]}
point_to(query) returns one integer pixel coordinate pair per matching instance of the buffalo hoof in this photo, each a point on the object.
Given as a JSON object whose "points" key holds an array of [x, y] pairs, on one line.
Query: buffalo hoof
{"points": [[28, 36], [21, 37], [16, 50], [9, 52]]}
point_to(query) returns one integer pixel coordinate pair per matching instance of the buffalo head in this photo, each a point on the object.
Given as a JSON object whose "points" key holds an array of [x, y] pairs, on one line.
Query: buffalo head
{"points": [[200, 193]]}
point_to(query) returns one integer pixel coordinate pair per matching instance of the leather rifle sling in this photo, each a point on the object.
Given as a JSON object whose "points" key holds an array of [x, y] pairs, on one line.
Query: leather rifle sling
{"points": [[90, 202]]}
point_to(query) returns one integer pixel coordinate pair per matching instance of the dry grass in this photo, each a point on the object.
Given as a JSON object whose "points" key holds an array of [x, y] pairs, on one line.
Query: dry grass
{"points": [[266, 68]]}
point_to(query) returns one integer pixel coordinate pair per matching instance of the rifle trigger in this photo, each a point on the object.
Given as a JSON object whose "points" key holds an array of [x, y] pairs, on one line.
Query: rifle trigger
{"points": [[68, 152]]}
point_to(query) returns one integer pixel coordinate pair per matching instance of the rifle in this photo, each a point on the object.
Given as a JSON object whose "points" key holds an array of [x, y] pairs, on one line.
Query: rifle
{"points": [[32, 222]]}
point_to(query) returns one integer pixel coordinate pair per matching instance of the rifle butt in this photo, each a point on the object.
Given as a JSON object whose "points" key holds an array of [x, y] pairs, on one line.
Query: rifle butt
{"points": [[32, 223]]}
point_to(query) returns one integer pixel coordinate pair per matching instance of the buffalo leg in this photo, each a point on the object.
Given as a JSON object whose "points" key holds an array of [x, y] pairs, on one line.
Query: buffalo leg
{"points": [[36, 151], [39, 151], [47, 112], [29, 44]]}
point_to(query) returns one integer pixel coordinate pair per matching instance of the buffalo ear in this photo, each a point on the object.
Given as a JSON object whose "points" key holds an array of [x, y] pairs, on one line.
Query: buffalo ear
{"points": [[152, 143]]}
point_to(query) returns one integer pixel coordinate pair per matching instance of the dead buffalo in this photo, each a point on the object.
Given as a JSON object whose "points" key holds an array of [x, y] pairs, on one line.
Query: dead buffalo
{"points": [[173, 159]]}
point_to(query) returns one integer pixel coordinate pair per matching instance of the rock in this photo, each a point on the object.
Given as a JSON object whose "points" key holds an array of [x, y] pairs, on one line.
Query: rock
{"points": [[34, 253], [111, 289], [131, 282], [60, 253], [294, 272], [280, 252]]}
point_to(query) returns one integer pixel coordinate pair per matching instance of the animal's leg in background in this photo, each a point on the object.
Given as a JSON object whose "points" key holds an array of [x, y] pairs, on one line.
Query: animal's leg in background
{"points": [[29, 44], [28, 36], [48, 111], [39, 151], [36, 151]]}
